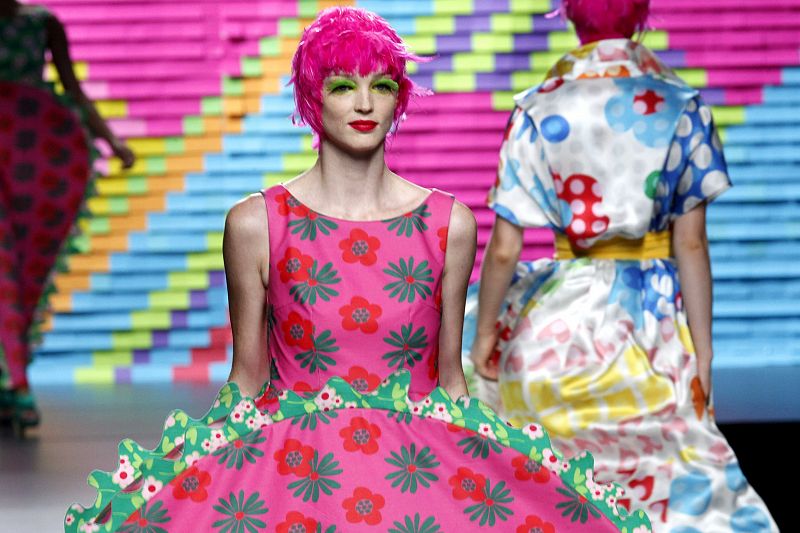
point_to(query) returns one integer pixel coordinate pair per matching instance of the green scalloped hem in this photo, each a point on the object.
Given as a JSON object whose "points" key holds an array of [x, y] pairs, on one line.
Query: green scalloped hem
{"points": [[184, 436]]}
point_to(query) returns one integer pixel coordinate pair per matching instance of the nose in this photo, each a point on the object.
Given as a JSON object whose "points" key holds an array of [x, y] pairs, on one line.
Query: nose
{"points": [[363, 102]]}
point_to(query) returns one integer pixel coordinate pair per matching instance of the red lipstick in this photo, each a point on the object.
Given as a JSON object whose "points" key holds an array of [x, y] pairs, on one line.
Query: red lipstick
{"points": [[363, 125]]}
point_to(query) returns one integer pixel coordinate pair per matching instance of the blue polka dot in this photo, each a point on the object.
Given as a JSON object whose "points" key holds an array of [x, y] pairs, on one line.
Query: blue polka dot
{"points": [[690, 494], [684, 529], [555, 128], [750, 520], [506, 213], [734, 477]]}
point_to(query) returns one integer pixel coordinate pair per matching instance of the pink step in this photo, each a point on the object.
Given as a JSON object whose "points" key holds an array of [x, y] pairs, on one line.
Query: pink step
{"points": [[661, 6], [727, 78], [413, 141], [128, 127], [253, 30], [114, 32], [151, 70], [130, 12], [167, 107], [122, 52], [154, 89], [258, 10], [716, 40], [455, 122], [743, 59], [672, 19]]}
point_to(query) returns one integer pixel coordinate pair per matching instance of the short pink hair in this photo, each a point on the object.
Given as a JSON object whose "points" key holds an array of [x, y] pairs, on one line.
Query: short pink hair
{"points": [[606, 19], [348, 40]]}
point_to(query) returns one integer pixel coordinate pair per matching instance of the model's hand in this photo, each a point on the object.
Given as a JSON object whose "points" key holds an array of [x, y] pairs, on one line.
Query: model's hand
{"points": [[484, 356], [124, 153]]}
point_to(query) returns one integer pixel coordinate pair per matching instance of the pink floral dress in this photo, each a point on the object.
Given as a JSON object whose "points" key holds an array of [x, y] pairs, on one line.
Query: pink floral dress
{"points": [[354, 434]]}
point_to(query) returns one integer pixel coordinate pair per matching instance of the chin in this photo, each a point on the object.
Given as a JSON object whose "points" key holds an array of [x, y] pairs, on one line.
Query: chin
{"points": [[360, 145]]}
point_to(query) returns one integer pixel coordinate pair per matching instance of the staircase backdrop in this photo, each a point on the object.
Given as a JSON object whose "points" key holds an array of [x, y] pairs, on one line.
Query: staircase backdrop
{"points": [[199, 89]]}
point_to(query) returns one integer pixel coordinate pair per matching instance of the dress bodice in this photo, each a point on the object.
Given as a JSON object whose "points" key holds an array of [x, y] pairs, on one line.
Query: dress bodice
{"points": [[354, 299], [23, 40]]}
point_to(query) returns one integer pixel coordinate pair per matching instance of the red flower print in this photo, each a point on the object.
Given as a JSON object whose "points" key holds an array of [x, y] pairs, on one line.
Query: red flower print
{"points": [[297, 522], [442, 233], [294, 458], [527, 468], [301, 387], [534, 523], [289, 204], [360, 314], [361, 380], [269, 399], [364, 506], [295, 265], [191, 484], [361, 436], [360, 248], [298, 331], [468, 484]]}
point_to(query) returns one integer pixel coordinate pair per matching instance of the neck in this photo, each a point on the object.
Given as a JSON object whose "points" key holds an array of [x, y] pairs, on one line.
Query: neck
{"points": [[590, 37], [353, 183]]}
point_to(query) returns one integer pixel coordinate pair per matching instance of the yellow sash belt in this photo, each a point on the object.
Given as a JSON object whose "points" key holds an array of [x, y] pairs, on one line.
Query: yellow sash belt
{"points": [[654, 245]]}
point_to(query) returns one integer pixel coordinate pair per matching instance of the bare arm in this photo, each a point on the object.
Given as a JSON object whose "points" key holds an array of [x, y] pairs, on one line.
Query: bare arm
{"points": [[245, 248], [499, 262], [461, 243], [59, 47], [690, 244]]}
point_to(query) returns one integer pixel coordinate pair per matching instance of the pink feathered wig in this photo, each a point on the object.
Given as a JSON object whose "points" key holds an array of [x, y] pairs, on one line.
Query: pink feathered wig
{"points": [[348, 40], [606, 19]]}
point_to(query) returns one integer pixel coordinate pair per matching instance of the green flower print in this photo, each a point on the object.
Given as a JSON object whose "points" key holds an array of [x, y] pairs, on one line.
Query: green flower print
{"points": [[478, 445], [413, 469], [411, 280], [315, 358], [239, 514], [317, 284], [409, 344], [577, 505], [240, 450], [309, 225], [145, 519], [406, 224], [414, 526], [320, 478], [491, 507]]}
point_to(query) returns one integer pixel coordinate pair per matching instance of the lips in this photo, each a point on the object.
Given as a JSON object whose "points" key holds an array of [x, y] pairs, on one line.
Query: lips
{"points": [[363, 125]]}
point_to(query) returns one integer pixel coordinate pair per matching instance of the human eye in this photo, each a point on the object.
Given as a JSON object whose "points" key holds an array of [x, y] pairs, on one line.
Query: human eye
{"points": [[386, 85], [340, 85]]}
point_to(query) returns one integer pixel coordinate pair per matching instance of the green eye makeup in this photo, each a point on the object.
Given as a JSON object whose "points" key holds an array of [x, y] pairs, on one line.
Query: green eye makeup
{"points": [[386, 84], [340, 85]]}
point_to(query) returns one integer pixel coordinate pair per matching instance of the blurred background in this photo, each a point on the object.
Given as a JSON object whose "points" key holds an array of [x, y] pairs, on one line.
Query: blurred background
{"points": [[198, 88]]}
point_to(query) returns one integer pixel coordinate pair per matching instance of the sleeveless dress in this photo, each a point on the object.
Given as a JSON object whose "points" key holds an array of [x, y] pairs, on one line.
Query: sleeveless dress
{"points": [[595, 344], [45, 165], [353, 434]]}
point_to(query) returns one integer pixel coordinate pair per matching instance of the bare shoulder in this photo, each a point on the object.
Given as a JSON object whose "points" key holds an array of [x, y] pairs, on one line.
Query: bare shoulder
{"points": [[463, 227], [247, 219]]}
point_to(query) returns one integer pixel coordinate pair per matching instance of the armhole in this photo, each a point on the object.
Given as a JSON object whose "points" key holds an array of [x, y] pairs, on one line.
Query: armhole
{"points": [[268, 223], [442, 208]]}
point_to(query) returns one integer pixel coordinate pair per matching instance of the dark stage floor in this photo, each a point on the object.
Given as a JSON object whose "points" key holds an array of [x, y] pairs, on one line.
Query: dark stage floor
{"points": [[42, 476]]}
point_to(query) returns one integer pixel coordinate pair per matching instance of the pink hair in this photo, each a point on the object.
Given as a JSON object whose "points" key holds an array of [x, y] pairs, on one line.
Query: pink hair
{"points": [[348, 40], [606, 19]]}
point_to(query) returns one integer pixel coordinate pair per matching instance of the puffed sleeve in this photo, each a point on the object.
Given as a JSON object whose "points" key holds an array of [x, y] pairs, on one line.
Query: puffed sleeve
{"points": [[696, 156], [518, 194]]}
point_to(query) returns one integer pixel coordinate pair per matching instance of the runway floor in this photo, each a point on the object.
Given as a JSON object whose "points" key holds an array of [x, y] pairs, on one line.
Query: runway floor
{"points": [[42, 475]]}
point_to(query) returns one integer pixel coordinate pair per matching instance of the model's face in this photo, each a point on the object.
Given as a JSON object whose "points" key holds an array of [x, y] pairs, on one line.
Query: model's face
{"points": [[358, 111]]}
